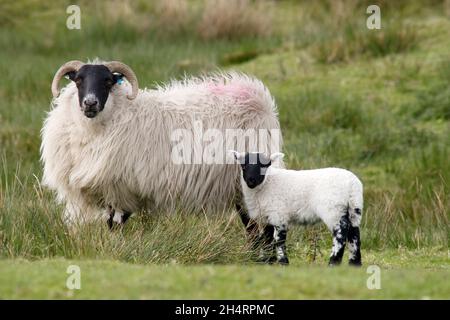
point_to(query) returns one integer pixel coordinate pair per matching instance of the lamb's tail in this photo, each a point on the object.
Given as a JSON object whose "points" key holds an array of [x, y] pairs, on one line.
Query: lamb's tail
{"points": [[355, 205]]}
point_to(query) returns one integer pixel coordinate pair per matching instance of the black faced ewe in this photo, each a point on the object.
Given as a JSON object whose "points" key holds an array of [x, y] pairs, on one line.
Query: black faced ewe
{"points": [[107, 146], [280, 197]]}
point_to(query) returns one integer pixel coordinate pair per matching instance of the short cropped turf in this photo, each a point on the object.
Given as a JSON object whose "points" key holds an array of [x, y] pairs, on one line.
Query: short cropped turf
{"points": [[401, 277], [376, 102]]}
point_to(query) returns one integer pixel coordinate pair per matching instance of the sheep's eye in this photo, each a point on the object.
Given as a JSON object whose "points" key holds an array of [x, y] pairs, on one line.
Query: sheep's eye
{"points": [[109, 82], [78, 81]]}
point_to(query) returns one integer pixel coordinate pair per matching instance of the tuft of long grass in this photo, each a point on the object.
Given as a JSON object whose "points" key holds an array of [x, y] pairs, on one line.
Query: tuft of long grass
{"points": [[31, 227], [234, 19], [392, 39]]}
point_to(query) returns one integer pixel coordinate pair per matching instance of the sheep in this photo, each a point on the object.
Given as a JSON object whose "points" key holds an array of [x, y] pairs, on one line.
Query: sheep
{"points": [[107, 146], [279, 197]]}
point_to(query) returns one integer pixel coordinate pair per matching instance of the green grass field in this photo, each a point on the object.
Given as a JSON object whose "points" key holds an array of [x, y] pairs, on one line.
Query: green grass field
{"points": [[408, 279], [374, 101]]}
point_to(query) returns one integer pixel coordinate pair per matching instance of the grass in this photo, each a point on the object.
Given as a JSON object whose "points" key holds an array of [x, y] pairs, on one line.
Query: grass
{"points": [[116, 280], [375, 102]]}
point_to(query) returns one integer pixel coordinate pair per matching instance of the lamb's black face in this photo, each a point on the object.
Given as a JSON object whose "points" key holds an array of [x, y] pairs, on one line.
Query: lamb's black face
{"points": [[254, 166], [94, 83]]}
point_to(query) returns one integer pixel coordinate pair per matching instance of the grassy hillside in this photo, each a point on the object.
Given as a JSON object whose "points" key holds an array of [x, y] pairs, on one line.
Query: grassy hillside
{"points": [[374, 101]]}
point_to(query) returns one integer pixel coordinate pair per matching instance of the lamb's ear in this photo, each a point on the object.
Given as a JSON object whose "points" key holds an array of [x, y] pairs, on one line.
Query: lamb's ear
{"points": [[236, 154], [276, 155]]}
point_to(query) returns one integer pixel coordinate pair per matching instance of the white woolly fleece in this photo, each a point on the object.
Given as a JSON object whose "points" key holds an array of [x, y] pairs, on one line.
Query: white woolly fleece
{"points": [[305, 196], [122, 157]]}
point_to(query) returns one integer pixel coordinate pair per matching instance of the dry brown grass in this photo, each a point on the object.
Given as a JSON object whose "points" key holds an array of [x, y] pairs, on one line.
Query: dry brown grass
{"points": [[209, 19], [374, 43], [173, 16], [231, 19], [341, 11], [446, 5]]}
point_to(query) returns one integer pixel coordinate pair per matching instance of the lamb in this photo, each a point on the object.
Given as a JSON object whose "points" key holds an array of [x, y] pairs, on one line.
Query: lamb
{"points": [[279, 197], [107, 146]]}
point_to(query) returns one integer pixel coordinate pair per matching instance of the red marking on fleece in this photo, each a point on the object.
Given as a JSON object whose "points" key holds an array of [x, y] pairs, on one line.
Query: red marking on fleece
{"points": [[240, 92]]}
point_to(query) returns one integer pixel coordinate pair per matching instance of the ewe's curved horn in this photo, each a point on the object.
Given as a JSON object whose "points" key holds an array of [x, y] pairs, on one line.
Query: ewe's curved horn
{"points": [[73, 65], [116, 66]]}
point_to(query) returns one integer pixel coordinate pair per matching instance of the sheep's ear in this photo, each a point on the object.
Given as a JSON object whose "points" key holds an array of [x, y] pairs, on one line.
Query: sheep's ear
{"points": [[118, 78], [236, 154], [70, 75], [276, 155]]}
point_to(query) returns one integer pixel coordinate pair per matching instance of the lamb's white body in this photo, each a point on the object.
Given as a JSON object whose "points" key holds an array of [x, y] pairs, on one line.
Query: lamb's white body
{"points": [[305, 196], [122, 157], [331, 195]]}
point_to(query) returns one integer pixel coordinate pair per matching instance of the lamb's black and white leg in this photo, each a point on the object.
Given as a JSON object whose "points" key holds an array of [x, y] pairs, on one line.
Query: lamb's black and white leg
{"points": [[266, 242], [279, 236], [117, 217], [340, 233], [354, 246], [263, 241], [353, 237], [250, 225]]}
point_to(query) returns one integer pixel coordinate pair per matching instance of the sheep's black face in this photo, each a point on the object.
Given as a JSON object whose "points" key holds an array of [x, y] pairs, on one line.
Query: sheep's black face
{"points": [[254, 166], [94, 82]]}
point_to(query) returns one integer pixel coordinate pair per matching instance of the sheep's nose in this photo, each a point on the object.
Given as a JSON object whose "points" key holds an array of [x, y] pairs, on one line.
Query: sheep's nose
{"points": [[90, 102]]}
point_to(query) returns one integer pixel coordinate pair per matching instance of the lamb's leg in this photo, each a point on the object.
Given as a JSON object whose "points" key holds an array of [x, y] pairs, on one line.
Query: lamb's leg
{"points": [[116, 217], [279, 235], [354, 245], [267, 245], [250, 225], [340, 233]]}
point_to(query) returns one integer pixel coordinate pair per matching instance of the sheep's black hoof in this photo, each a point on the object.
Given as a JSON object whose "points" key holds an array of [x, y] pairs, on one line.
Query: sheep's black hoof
{"points": [[118, 222], [110, 221], [114, 225], [284, 261], [355, 263]]}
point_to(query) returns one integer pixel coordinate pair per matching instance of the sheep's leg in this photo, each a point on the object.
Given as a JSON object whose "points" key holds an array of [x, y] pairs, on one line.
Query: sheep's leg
{"points": [[78, 211], [340, 233], [354, 245], [116, 217], [279, 235]]}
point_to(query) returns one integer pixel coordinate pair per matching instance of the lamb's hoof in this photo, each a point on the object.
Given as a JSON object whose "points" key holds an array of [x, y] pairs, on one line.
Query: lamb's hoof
{"points": [[266, 259], [283, 261], [334, 263], [355, 263], [272, 260]]}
